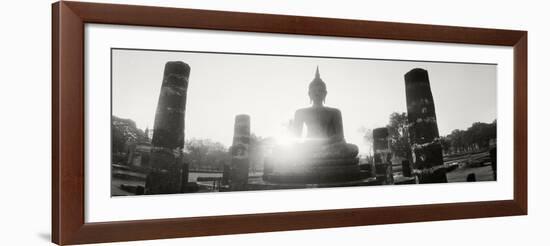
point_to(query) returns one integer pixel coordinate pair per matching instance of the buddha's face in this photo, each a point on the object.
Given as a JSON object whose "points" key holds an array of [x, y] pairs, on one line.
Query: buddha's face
{"points": [[317, 94]]}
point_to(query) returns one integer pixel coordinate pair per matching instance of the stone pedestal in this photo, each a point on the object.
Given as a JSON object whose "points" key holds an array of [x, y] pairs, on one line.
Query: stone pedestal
{"points": [[169, 174], [423, 132], [295, 164], [240, 159], [317, 175], [312, 171]]}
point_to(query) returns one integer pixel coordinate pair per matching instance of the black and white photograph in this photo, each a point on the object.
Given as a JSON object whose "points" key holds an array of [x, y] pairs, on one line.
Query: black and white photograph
{"points": [[194, 122], [270, 123]]}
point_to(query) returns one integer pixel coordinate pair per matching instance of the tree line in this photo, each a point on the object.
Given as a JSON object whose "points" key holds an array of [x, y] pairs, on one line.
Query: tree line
{"points": [[205, 154], [478, 136]]}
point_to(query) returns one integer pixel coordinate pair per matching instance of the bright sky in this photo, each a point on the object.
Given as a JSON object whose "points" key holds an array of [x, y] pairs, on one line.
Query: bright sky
{"points": [[271, 88]]}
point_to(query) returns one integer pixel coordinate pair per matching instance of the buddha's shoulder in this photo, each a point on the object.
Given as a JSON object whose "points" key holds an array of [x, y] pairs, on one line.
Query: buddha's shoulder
{"points": [[335, 110], [302, 111], [312, 110]]}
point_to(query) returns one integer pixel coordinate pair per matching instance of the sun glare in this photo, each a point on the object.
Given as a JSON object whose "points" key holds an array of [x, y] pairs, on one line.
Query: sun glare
{"points": [[287, 140]]}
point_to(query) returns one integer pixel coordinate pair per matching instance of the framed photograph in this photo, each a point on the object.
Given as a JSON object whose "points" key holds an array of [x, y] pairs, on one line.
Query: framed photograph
{"points": [[174, 122]]}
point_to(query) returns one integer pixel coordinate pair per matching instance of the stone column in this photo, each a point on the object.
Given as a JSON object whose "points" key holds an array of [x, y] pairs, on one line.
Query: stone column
{"points": [[169, 174], [382, 155], [406, 167], [423, 132], [493, 155], [240, 161]]}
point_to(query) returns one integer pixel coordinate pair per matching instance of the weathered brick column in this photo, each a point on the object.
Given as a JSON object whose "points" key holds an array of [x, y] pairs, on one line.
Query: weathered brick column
{"points": [[240, 160], [169, 174], [423, 132], [382, 155], [406, 167]]}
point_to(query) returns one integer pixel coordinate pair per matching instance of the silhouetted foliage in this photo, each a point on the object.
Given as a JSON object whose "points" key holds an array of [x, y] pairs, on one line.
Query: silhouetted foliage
{"points": [[477, 136], [123, 133], [205, 154], [398, 134], [367, 137], [257, 152]]}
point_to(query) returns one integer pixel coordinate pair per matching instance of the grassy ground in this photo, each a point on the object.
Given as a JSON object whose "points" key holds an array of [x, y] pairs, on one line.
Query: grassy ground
{"points": [[484, 173], [478, 164]]}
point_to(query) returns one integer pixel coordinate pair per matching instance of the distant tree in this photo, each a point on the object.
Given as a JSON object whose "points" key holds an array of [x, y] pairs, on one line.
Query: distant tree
{"points": [[206, 154], [124, 134], [398, 134], [445, 144], [367, 134], [367, 137], [118, 141], [257, 151], [477, 136]]}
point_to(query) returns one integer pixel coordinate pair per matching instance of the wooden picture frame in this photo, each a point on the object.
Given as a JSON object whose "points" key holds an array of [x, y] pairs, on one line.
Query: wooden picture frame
{"points": [[68, 122]]}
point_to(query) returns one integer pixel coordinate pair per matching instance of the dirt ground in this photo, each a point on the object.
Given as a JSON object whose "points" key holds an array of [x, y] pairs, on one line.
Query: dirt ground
{"points": [[484, 173]]}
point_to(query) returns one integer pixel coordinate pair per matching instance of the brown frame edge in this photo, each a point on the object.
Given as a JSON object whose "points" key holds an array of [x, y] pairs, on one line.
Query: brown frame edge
{"points": [[68, 224]]}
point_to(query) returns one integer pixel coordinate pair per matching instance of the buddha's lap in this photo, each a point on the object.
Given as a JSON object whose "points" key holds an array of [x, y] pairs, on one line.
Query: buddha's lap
{"points": [[319, 151]]}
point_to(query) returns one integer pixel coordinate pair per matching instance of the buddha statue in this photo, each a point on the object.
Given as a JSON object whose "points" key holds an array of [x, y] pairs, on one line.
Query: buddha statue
{"points": [[322, 155], [325, 132]]}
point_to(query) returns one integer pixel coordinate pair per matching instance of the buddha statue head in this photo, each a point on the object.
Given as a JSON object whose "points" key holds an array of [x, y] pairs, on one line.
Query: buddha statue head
{"points": [[317, 90]]}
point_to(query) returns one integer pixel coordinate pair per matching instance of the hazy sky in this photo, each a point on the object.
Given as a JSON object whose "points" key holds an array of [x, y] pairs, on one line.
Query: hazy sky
{"points": [[271, 88]]}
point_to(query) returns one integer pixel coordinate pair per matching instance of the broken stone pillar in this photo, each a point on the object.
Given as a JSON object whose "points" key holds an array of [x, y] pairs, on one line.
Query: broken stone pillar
{"points": [[240, 160], [406, 167], [169, 174], [382, 155], [493, 155], [423, 132], [226, 173], [471, 177]]}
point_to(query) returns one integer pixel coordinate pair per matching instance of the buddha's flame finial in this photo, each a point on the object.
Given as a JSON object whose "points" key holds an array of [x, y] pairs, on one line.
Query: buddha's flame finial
{"points": [[317, 75]]}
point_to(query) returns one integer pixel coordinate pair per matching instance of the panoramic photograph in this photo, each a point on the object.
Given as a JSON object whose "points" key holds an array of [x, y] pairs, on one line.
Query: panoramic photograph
{"points": [[196, 122]]}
